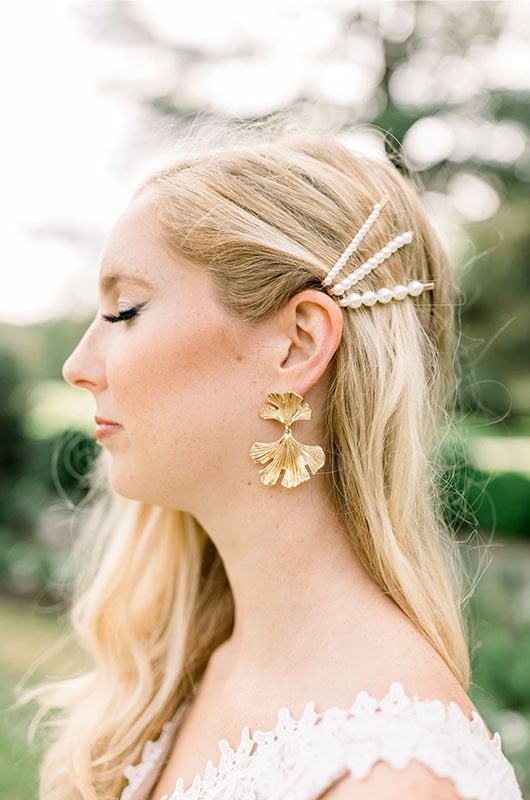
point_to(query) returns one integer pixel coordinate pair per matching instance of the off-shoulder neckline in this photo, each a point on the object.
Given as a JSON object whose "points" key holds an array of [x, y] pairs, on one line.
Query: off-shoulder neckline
{"points": [[393, 701]]}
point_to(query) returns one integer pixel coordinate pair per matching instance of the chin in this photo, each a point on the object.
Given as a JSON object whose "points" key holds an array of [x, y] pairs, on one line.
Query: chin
{"points": [[127, 483], [131, 489], [135, 487]]}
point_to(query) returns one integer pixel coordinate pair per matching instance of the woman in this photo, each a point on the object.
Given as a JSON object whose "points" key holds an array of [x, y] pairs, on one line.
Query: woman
{"points": [[273, 557]]}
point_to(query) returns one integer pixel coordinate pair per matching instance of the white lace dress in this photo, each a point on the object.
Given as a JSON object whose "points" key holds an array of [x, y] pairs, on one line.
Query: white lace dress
{"points": [[301, 759]]}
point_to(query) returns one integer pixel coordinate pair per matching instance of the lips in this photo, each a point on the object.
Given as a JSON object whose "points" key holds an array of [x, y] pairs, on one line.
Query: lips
{"points": [[101, 421], [106, 427]]}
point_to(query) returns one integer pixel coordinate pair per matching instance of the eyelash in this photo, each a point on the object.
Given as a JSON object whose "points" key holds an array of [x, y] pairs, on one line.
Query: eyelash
{"points": [[127, 314]]}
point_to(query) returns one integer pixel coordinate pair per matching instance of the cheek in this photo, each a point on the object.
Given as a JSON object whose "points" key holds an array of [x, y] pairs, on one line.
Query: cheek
{"points": [[176, 386]]}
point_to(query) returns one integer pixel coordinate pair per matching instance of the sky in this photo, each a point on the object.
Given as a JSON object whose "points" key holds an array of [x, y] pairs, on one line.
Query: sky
{"points": [[58, 183], [65, 172]]}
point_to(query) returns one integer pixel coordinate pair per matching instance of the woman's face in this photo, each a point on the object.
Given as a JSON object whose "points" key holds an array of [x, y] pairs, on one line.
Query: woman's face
{"points": [[173, 375]]}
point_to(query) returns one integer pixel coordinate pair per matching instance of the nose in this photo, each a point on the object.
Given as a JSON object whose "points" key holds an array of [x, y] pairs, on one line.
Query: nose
{"points": [[85, 366]]}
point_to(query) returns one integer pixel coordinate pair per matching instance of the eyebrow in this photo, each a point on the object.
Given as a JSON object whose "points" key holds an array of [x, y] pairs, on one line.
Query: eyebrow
{"points": [[108, 282]]}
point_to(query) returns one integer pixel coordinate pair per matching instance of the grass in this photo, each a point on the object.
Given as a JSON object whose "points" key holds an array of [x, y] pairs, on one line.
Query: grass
{"points": [[27, 635]]}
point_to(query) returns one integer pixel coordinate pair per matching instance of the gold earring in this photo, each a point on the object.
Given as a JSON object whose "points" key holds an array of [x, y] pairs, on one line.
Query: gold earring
{"points": [[286, 453]]}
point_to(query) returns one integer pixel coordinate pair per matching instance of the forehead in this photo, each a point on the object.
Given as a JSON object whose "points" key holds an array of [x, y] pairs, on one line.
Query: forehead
{"points": [[133, 251]]}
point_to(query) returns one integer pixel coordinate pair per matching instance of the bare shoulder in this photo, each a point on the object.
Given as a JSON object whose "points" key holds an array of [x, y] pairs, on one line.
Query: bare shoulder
{"points": [[415, 782], [399, 652]]}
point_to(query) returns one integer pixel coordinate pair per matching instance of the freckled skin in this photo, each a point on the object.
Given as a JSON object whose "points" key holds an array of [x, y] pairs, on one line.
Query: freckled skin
{"points": [[174, 376]]}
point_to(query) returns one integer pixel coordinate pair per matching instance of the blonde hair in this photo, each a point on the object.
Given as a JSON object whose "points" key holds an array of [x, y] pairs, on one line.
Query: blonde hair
{"points": [[268, 217]]}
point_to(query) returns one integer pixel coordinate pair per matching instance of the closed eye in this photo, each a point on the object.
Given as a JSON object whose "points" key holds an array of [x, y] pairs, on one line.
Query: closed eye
{"points": [[128, 313]]}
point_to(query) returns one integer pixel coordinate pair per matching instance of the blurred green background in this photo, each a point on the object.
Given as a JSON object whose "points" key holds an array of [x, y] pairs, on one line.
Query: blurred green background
{"points": [[449, 84]]}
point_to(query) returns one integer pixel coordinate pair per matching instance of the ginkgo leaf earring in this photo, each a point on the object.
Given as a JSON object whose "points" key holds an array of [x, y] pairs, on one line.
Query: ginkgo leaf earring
{"points": [[286, 453]]}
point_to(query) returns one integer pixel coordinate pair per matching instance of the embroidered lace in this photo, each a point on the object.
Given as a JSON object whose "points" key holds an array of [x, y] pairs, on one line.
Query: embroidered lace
{"points": [[300, 759]]}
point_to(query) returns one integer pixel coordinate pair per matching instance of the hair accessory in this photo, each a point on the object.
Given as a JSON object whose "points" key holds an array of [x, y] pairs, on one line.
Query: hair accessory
{"points": [[383, 295], [286, 453]]}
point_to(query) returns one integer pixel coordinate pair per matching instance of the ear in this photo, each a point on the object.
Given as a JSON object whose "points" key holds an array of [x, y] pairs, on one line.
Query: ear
{"points": [[310, 328]]}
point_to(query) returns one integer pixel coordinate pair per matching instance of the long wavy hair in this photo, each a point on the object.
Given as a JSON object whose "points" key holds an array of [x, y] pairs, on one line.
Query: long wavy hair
{"points": [[267, 216]]}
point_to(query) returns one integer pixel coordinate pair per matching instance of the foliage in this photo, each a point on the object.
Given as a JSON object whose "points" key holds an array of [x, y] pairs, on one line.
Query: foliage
{"points": [[496, 503], [53, 484], [15, 454], [506, 506], [41, 349], [500, 643], [496, 294]]}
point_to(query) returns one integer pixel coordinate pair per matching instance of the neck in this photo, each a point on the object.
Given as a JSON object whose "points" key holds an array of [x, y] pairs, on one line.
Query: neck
{"points": [[293, 572]]}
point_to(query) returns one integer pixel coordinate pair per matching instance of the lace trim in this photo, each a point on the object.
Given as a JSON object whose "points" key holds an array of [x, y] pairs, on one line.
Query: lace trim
{"points": [[142, 776], [300, 759]]}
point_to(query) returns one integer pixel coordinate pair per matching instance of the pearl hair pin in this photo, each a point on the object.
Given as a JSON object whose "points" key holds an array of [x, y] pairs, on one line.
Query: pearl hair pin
{"points": [[354, 244], [383, 295]]}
